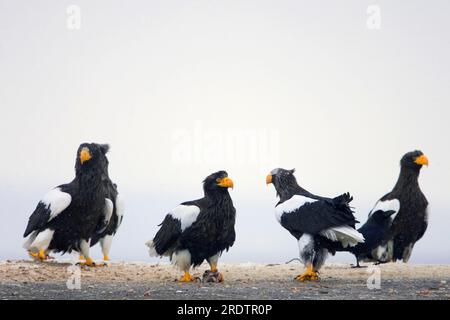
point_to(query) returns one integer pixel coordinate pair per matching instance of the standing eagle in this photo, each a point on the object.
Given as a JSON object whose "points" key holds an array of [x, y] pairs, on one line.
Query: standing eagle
{"points": [[200, 229], [319, 224], [67, 216], [408, 207]]}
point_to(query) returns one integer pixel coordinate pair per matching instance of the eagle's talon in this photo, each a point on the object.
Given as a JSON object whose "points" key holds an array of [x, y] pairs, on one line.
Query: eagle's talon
{"points": [[33, 255], [186, 278], [84, 264], [308, 275], [90, 263], [39, 256]]}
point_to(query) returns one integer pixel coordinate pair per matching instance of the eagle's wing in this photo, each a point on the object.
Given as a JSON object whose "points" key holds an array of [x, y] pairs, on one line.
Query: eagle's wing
{"points": [[179, 219], [113, 212], [51, 205], [331, 218], [120, 208], [106, 216]]}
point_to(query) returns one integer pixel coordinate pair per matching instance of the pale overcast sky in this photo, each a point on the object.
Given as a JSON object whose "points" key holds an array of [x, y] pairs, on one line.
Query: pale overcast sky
{"points": [[181, 89]]}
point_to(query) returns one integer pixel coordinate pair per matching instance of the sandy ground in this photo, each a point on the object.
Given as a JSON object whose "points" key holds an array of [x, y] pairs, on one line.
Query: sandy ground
{"points": [[48, 280]]}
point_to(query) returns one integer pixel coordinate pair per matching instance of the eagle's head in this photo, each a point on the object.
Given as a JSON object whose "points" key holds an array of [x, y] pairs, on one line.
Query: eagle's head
{"points": [[217, 182], [282, 179], [92, 156], [414, 160]]}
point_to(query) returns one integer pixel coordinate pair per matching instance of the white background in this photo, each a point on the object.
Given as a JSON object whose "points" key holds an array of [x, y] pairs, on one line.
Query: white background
{"points": [[343, 101]]}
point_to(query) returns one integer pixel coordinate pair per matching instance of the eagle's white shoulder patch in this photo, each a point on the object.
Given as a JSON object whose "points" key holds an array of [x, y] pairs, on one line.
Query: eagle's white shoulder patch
{"points": [[186, 214], [57, 201], [387, 205], [291, 205]]}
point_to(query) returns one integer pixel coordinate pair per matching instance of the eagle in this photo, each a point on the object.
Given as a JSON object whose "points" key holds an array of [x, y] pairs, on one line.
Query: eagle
{"points": [[408, 208], [66, 218], [321, 225], [373, 231], [199, 229]]}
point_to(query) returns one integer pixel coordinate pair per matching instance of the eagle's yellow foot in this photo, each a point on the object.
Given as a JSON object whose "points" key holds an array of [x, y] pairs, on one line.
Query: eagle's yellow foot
{"points": [[105, 262], [33, 255], [90, 263], [41, 255], [186, 277], [308, 275]]}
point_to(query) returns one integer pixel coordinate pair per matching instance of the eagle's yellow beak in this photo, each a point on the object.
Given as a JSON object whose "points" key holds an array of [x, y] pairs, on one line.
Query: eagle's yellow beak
{"points": [[269, 179], [422, 160], [85, 155], [225, 183]]}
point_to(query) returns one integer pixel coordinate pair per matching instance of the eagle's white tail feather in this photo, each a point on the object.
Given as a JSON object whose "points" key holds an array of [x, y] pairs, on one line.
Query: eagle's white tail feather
{"points": [[346, 235], [151, 249], [29, 240]]}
